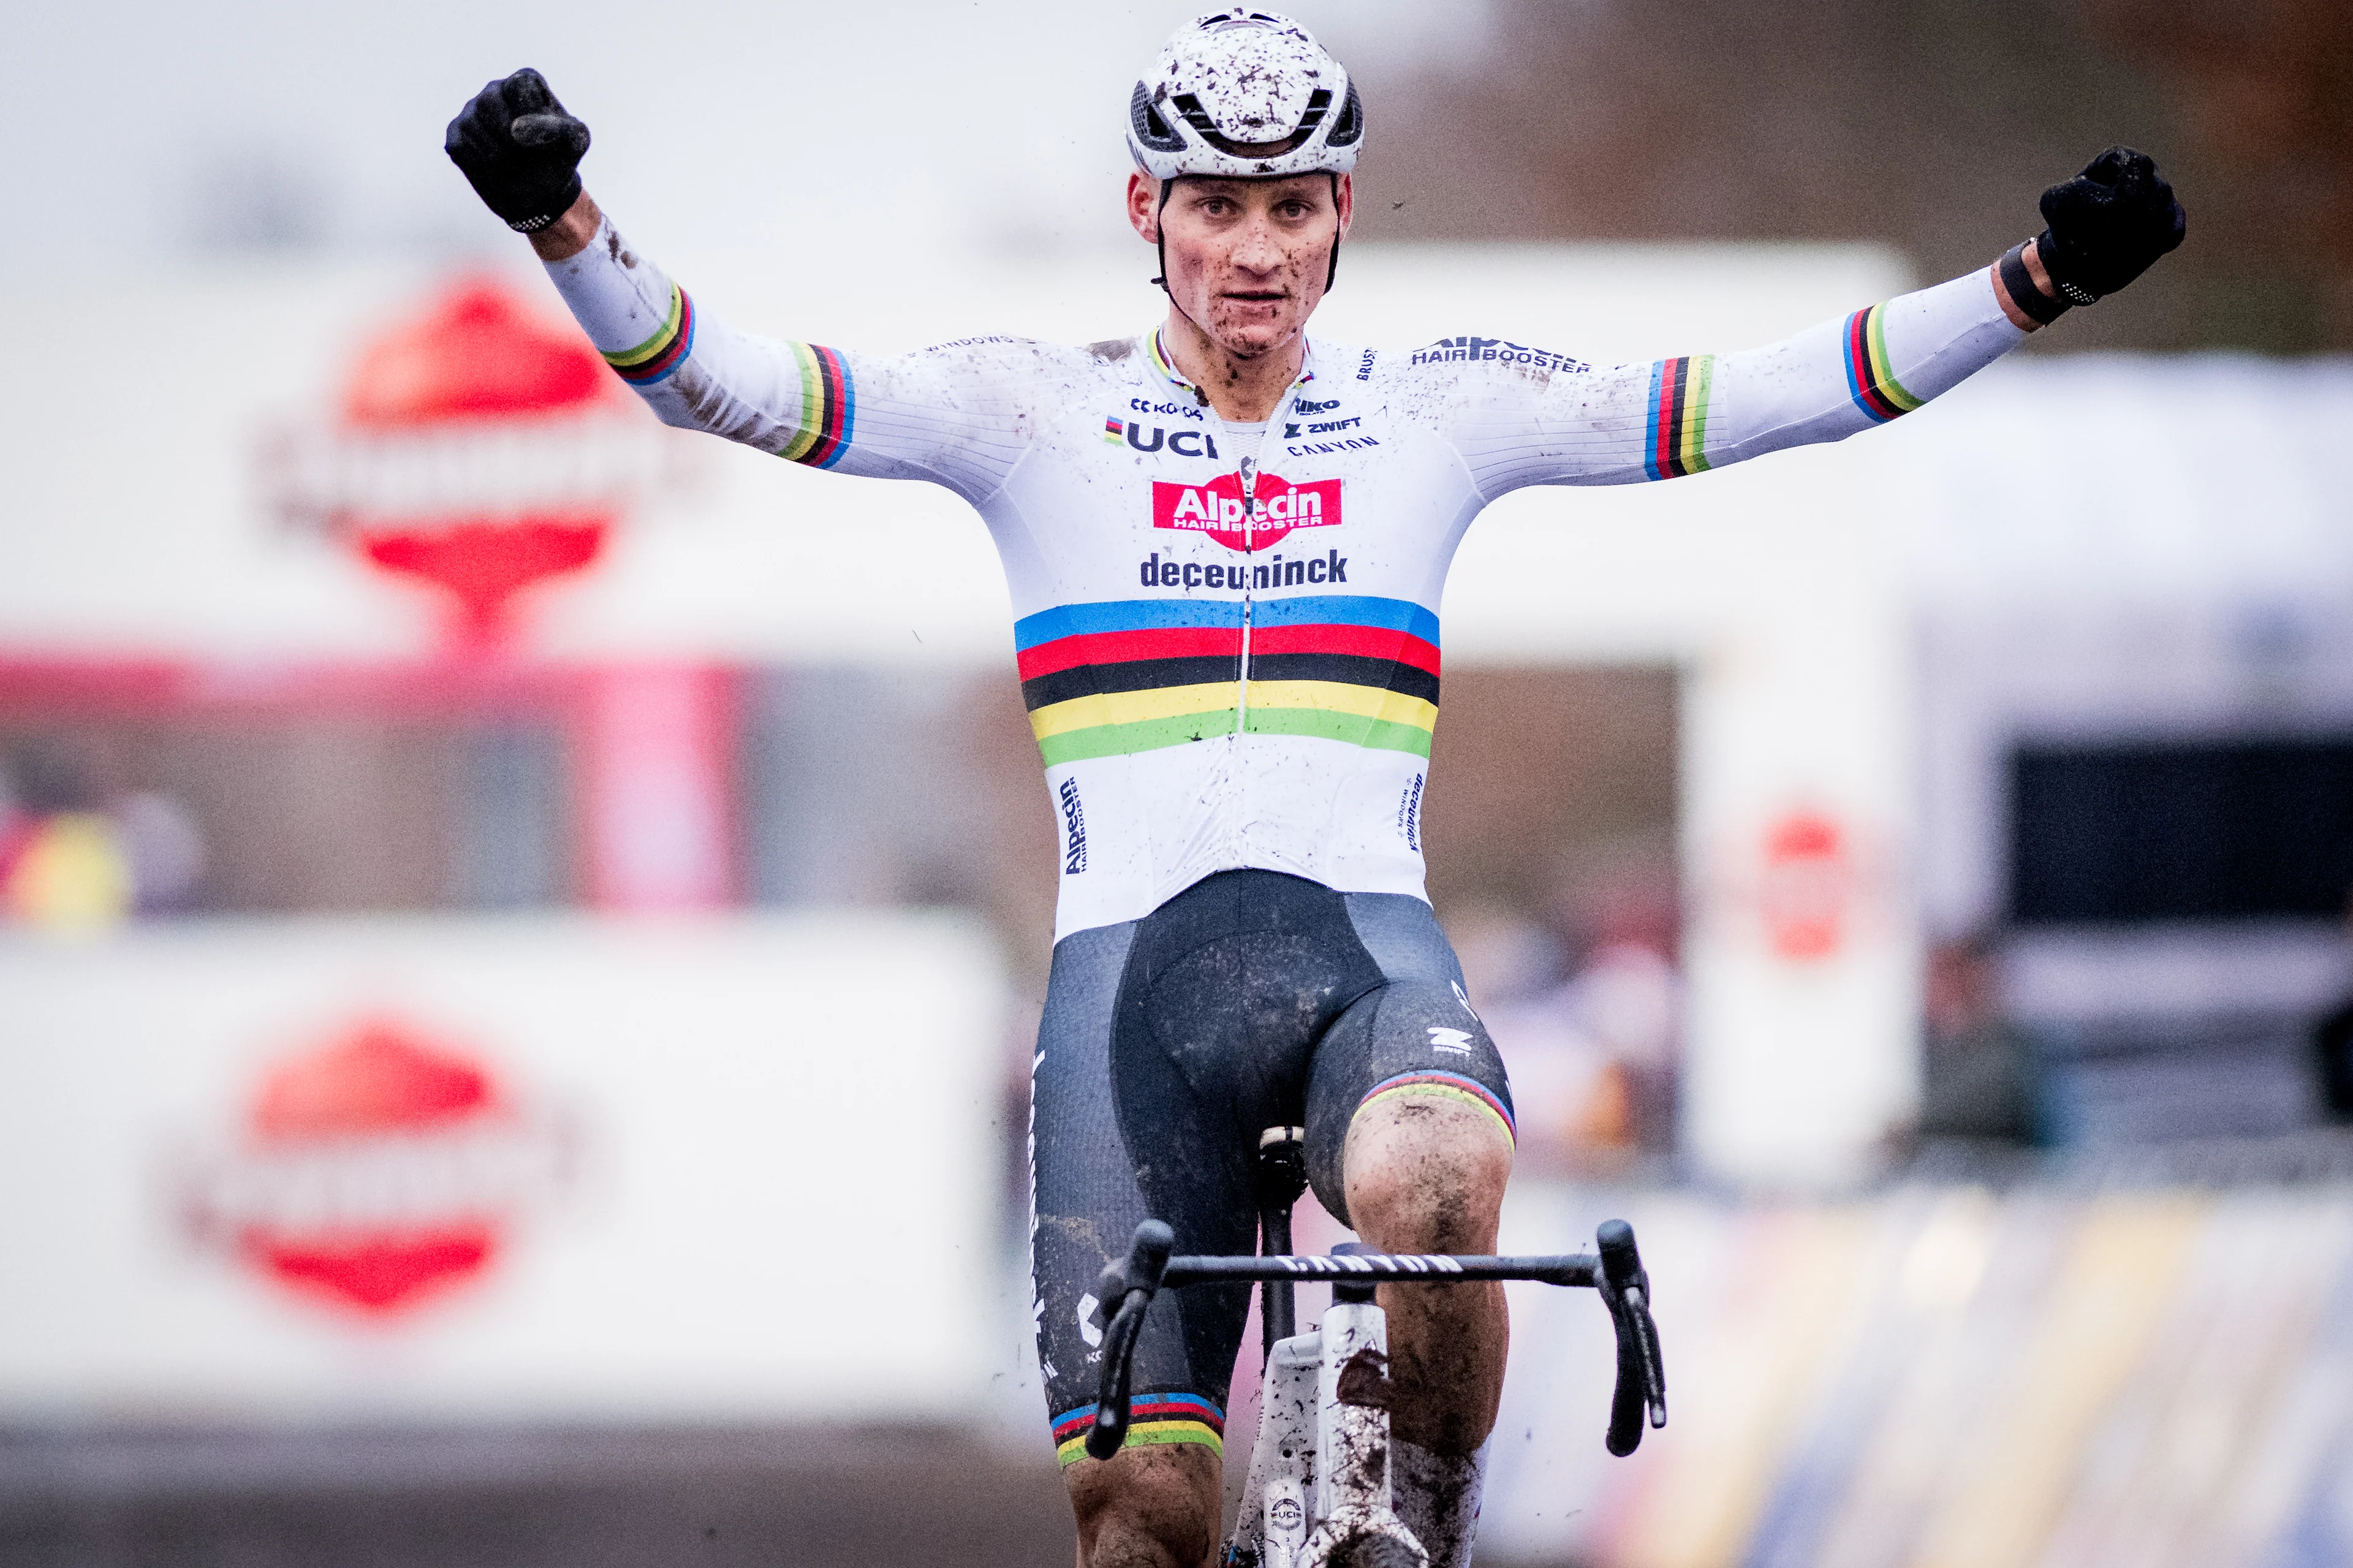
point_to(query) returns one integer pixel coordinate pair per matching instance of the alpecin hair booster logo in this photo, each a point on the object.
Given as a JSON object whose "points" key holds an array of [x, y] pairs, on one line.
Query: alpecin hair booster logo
{"points": [[1215, 508]]}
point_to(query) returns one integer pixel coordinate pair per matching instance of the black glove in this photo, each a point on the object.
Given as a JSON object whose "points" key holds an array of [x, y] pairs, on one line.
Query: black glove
{"points": [[520, 150], [2108, 224]]}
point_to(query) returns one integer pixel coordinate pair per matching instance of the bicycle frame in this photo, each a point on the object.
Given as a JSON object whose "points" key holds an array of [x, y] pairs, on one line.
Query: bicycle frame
{"points": [[1319, 1480], [1319, 1475]]}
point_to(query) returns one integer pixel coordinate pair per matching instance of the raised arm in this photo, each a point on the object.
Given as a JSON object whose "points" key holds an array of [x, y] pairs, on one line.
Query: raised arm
{"points": [[945, 414], [1568, 424]]}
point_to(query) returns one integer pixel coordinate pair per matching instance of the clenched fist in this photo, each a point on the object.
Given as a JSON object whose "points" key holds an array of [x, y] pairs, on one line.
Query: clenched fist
{"points": [[520, 150]]}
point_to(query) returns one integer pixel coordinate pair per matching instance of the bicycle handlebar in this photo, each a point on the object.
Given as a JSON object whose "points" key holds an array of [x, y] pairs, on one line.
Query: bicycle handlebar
{"points": [[1641, 1387], [1148, 1258], [1430, 1268], [1616, 1274]]}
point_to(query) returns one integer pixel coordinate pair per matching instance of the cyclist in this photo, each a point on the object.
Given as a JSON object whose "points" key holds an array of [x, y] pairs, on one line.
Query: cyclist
{"points": [[1226, 541]]}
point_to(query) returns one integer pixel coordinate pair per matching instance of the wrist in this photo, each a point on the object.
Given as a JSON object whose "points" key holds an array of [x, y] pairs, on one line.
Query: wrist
{"points": [[2023, 286], [569, 234]]}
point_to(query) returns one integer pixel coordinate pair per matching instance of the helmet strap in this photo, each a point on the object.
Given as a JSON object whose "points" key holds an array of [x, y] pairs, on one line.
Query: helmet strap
{"points": [[1160, 234], [1335, 270]]}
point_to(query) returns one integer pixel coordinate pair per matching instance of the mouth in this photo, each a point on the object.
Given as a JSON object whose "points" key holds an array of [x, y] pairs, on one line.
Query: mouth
{"points": [[1257, 295]]}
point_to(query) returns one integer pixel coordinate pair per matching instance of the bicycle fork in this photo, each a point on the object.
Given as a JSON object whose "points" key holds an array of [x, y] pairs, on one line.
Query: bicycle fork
{"points": [[1328, 1389], [1282, 1484]]}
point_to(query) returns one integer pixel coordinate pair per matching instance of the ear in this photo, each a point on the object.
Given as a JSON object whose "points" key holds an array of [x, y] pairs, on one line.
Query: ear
{"points": [[1346, 192], [1144, 205]]}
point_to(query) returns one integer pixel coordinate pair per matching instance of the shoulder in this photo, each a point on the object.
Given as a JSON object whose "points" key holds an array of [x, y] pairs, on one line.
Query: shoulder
{"points": [[1016, 357], [1010, 364]]}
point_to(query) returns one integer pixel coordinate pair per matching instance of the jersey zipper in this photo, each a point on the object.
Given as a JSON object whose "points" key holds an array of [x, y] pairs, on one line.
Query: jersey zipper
{"points": [[1252, 467]]}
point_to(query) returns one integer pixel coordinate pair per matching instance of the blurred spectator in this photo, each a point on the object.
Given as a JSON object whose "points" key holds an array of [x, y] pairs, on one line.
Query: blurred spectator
{"points": [[2332, 1050], [164, 848], [62, 863], [2332, 1043], [1591, 1043], [1980, 1077]]}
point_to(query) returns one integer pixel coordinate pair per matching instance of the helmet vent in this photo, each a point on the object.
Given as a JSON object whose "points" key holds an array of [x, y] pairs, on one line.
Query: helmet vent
{"points": [[1151, 130], [1350, 129], [1189, 106]]}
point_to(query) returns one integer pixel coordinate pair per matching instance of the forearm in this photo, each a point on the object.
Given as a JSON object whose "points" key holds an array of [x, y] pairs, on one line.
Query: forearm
{"points": [[1839, 378], [933, 415], [695, 373], [1630, 423]]}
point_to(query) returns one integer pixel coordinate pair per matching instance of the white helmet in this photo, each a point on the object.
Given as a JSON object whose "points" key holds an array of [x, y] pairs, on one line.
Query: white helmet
{"points": [[1245, 95]]}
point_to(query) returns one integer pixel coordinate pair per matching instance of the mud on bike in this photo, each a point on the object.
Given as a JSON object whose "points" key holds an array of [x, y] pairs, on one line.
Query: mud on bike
{"points": [[1318, 1491]]}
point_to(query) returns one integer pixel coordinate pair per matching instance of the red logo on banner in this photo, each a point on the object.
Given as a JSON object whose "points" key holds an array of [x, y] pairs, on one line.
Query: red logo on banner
{"points": [[378, 1170], [1807, 893], [474, 449], [1216, 507]]}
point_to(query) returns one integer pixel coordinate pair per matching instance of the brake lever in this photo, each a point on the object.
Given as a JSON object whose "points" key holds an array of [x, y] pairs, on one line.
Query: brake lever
{"points": [[1642, 1383], [1147, 1260]]}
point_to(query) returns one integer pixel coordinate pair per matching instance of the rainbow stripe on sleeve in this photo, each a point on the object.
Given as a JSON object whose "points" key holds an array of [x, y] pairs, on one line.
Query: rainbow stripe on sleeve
{"points": [[1113, 679], [1869, 379], [655, 359], [1152, 1418], [828, 407], [1677, 440], [1445, 1086]]}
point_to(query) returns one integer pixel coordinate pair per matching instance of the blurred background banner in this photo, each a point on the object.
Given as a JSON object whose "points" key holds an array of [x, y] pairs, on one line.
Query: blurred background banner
{"points": [[490, 886], [1949, 1374], [468, 1169]]}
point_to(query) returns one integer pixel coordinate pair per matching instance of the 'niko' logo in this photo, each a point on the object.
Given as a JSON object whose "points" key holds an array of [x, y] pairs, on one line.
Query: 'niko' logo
{"points": [[1215, 508]]}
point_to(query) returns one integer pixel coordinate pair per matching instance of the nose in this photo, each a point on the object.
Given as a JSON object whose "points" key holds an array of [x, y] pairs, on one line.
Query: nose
{"points": [[1256, 249]]}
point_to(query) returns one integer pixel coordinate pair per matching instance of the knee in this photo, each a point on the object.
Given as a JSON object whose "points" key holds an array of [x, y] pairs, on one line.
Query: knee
{"points": [[1148, 1507], [1426, 1175]]}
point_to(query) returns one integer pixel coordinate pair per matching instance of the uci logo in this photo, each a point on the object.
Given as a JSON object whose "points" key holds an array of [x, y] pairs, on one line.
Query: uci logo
{"points": [[1184, 443]]}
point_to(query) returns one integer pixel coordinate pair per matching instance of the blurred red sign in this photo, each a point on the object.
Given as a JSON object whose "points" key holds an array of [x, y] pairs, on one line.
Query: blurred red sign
{"points": [[1807, 892], [378, 1170], [475, 449]]}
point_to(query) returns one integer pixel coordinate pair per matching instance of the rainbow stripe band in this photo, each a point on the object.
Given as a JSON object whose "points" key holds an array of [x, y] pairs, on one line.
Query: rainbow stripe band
{"points": [[1445, 1086], [828, 407], [658, 356], [1677, 440], [1153, 1418], [1114, 431], [1113, 679], [1161, 362], [1870, 380]]}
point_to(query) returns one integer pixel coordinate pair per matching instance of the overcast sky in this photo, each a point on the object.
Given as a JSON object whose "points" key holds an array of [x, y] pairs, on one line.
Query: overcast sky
{"points": [[154, 129]]}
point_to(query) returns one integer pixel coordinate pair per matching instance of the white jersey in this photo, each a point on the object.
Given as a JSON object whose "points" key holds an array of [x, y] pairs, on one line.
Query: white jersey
{"points": [[1214, 685]]}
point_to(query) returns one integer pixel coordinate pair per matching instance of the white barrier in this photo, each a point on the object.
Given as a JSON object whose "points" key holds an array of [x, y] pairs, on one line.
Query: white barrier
{"points": [[552, 1168]]}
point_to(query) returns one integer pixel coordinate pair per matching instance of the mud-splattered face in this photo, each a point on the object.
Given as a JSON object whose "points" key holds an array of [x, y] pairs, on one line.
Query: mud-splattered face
{"points": [[1247, 259]]}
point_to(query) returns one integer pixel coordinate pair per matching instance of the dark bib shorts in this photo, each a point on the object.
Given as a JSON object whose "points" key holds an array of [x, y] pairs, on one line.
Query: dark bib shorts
{"points": [[1169, 1044]]}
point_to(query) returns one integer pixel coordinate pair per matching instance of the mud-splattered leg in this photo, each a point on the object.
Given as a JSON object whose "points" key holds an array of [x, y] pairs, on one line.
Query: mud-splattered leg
{"points": [[1148, 1507], [1426, 1174]]}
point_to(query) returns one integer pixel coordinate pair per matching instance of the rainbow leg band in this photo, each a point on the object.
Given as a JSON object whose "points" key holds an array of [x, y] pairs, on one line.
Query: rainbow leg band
{"points": [[1153, 1419], [1444, 1086]]}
